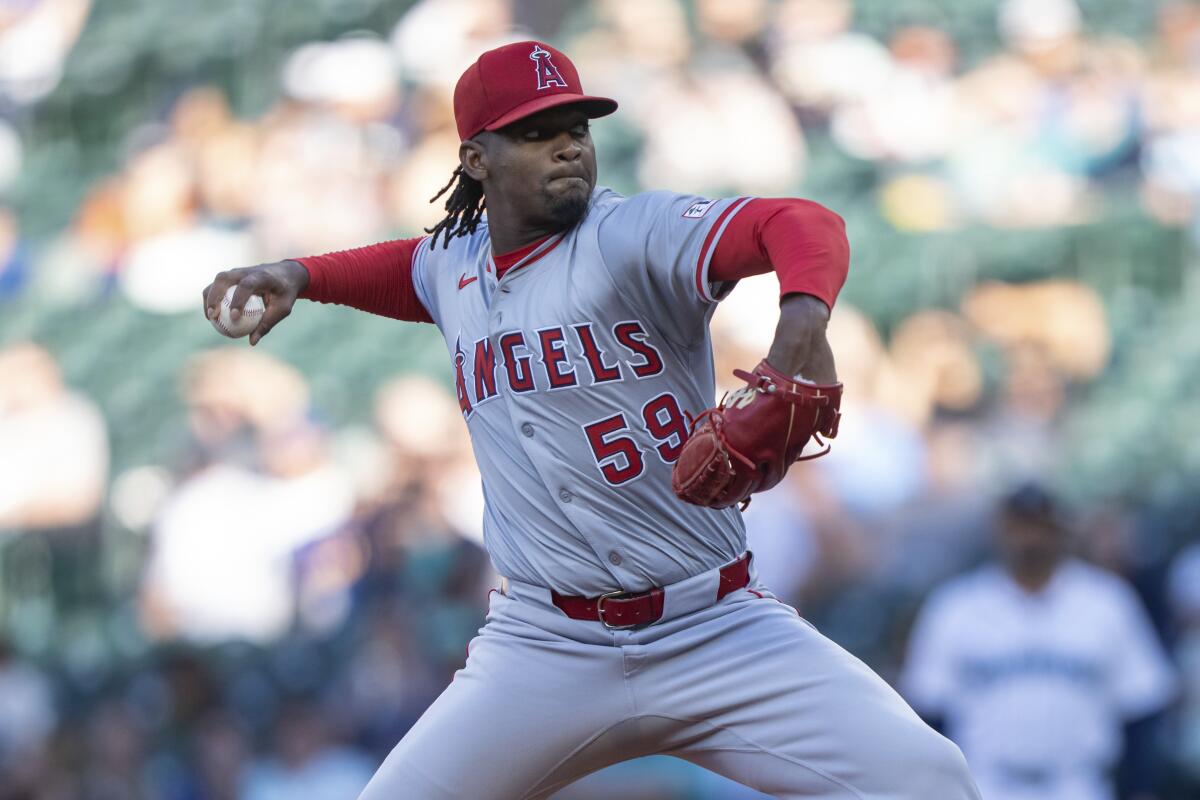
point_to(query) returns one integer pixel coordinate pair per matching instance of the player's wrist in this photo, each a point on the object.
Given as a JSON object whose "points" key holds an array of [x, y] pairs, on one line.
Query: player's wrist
{"points": [[294, 275], [805, 304], [800, 346]]}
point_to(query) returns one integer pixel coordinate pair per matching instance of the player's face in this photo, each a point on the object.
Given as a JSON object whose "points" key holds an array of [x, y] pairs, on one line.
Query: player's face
{"points": [[543, 168], [1030, 543]]}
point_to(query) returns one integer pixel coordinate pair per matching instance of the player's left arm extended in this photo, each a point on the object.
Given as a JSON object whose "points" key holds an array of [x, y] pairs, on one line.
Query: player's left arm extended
{"points": [[746, 444]]}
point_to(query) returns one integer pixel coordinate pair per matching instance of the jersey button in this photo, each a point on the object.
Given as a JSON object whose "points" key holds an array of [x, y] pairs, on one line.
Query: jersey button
{"points": [[565, 496], [614, 558], [527, 429]]}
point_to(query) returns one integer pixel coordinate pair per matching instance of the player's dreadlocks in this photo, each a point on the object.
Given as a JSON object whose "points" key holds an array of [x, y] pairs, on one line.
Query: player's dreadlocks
{"points": [[464, 208]]}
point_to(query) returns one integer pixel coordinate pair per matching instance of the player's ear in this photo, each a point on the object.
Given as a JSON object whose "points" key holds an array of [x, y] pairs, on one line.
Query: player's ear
{"points": [[473, 157]]}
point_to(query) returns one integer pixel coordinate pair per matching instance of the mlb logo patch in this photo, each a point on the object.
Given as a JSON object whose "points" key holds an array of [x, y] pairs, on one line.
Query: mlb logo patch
{"points": [[699, 209]]}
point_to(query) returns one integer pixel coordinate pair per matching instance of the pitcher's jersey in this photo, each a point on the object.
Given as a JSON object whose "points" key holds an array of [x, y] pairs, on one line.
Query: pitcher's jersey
{"points": [[1037, 686], [575, 373]]}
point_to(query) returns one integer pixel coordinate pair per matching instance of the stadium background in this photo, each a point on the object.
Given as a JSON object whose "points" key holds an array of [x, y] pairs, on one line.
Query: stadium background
{"points": [[229, 573]]}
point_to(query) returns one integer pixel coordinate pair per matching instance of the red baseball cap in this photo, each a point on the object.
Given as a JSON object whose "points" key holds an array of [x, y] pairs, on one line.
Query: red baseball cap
{"points": [[516, 80]]}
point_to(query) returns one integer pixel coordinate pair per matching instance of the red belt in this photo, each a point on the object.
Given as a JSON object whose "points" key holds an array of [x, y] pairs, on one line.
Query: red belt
{"points": [[622, 610]]}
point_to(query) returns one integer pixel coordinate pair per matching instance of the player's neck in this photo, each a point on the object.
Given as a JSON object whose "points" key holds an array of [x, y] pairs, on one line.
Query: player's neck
{"points": [[510, 242], [1034, 579], [507, 233]]}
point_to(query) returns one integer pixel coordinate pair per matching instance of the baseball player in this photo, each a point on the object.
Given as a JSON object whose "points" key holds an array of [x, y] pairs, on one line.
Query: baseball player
{"points": [[629, 620], [1042, 667]]}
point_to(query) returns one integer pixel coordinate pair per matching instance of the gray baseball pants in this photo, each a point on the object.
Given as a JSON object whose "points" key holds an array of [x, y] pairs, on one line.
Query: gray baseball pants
{"points": [[743, 687]]}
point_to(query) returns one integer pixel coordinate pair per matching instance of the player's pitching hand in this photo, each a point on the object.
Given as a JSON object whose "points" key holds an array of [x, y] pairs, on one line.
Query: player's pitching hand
{"points": [[278, 284]]}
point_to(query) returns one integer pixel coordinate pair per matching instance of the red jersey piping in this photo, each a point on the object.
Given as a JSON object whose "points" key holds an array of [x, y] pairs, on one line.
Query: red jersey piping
{"points": [[714, 233]]}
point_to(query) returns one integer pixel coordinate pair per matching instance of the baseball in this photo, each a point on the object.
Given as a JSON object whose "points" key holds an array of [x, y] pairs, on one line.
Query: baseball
{"points": [[251, 315]]}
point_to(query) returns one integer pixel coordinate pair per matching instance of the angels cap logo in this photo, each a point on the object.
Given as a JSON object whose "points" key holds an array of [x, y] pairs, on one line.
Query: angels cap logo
{"points": [[547, 73]]}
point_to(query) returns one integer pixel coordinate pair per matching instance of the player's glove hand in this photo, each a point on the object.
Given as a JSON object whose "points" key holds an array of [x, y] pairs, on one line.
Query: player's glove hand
{"points": [[747, 443]]}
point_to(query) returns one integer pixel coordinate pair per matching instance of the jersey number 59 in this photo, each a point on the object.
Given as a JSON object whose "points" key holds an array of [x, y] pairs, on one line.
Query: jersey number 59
{"points": [[618, 456]]}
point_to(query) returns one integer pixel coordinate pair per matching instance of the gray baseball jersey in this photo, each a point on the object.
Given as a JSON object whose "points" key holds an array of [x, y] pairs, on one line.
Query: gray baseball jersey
{"points": [[575, 374]]}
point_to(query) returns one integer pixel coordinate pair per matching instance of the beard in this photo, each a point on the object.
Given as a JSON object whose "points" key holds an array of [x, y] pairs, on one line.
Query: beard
{"points": [[567, 209]]}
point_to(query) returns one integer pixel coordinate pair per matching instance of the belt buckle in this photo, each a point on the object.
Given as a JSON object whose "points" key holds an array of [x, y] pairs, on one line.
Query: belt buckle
{"points": [[600, 611]]}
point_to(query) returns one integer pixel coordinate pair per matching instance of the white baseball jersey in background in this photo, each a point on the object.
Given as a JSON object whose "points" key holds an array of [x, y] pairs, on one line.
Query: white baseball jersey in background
{"points": [[1035, 687]]}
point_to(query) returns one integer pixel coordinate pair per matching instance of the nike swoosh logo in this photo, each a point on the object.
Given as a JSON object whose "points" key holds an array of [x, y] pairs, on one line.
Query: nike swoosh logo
{"points": [[464, 281]]}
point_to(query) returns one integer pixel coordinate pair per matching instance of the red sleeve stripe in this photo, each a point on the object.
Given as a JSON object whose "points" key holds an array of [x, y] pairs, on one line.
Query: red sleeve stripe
{"points": [[709, 246]]}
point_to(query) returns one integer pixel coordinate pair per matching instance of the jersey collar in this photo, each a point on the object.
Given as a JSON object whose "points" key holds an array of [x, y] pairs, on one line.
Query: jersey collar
{"points": [[523, 256]]}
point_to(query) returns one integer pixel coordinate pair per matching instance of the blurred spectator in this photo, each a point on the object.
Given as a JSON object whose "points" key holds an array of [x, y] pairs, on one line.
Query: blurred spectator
{"points": [[388, 681], [10, 155], [53, 446], [303, 147], [234, 391], [943, 529], [935, 352], [731, 22], [879, 461], [14, 258], [307, 761], [1037, 666], [436, 40], [1024, 427], [82, 262], [808, 548], [909, 114], [264, 489], [419, 554], [221, 754], [819, 62], [1063, 319], [653, 34], [697, 137], [355, 76], [1183, 588], [427, 442], [116, 767], [35, 39], [780, 533], [28, 712]]}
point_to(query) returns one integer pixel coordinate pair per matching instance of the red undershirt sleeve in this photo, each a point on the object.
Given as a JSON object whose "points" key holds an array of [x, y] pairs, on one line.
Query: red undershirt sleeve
{"points": [[804, 242], [377, 278]]}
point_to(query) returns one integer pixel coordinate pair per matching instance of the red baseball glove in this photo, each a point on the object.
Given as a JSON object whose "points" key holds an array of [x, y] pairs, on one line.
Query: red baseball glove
{"points": [[747, 443]]}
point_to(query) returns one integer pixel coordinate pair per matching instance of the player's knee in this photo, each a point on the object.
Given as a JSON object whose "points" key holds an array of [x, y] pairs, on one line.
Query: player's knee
{"points": [[936, 768]]}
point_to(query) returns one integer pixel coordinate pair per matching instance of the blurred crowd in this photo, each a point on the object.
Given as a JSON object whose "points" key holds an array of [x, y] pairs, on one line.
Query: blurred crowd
{"points": [[716, 98], [301, 600], [273, 598]]}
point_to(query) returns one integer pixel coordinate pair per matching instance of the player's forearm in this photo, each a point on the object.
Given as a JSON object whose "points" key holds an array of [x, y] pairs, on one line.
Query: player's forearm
{"points": [[800, 346], [376, 278]]}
